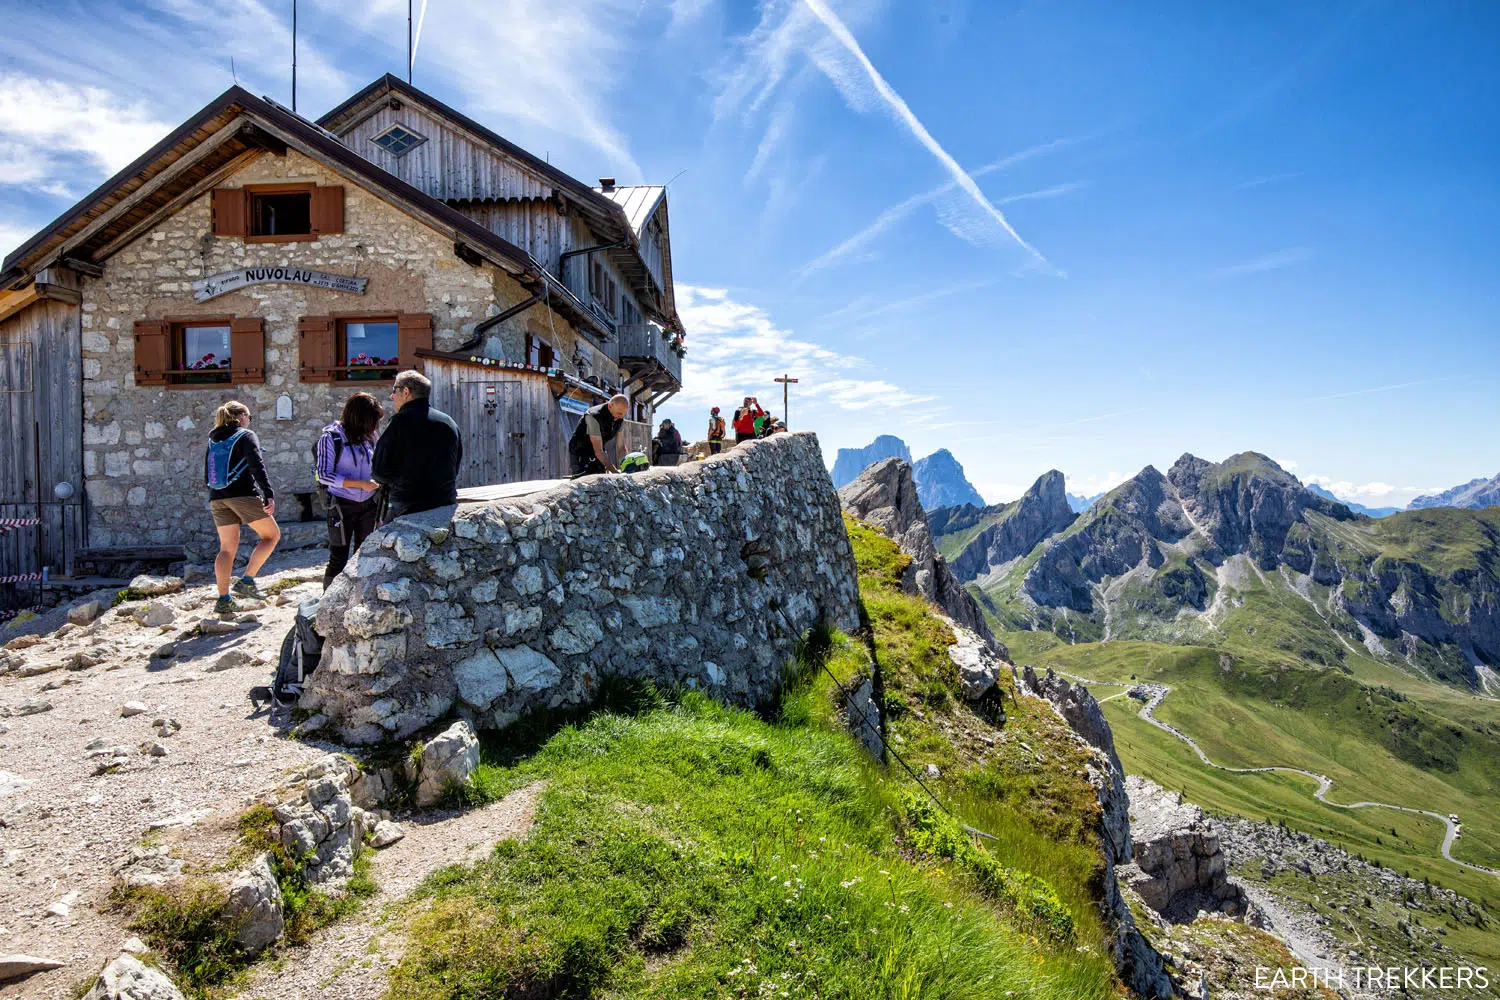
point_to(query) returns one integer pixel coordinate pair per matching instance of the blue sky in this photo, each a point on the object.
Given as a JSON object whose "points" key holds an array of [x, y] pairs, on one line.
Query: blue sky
{"points": [[1084, 236]]}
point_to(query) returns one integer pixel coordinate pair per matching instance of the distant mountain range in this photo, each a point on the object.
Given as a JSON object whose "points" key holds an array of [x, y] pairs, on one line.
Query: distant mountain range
{"points": [[1474, 494], [1357, 508], [939, 477], [1239, 551], [1080, 504]]}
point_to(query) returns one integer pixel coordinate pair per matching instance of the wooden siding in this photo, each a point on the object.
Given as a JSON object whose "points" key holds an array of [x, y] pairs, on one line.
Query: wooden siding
{"points": [[510, 435], [41, 403], [534, 226], [449, 166]]}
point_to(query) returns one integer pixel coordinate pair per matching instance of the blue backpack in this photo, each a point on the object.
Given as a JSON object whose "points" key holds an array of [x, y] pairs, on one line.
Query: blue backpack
{"points": [[220, 474]]}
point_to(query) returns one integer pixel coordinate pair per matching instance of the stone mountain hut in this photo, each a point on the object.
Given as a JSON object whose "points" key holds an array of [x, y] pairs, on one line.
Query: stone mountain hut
{"points": [[255, 255]]}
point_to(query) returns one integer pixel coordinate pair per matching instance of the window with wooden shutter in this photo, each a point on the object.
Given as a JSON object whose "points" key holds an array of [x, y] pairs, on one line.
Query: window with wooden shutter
{"points": [[414, 332], [315, 348], [327, 210], [230, 211], [152, 352], [247, 349]]}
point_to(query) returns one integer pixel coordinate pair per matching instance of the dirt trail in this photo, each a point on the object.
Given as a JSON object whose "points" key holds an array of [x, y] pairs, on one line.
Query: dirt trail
{"points": [[65, 831], [349, 960], [1159, 693]]}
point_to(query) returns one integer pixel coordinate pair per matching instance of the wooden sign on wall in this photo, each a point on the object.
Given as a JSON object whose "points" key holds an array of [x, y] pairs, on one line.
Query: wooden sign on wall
{"points": [[231, 281]]}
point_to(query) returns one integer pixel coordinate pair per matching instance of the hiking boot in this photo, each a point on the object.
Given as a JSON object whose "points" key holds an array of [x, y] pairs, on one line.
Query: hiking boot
{"points": [[247, 588], [225, 605]]}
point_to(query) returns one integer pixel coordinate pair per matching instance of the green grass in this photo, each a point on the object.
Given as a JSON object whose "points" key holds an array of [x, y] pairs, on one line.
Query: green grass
{"points": [[686, 849], [1245, 713]]}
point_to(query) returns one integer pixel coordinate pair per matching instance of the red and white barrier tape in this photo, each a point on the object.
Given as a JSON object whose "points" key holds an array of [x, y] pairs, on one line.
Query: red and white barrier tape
{"points": [[22, 578]]}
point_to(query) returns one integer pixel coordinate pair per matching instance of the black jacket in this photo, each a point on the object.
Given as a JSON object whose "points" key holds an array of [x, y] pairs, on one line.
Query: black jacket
{"points": [[579, 444], [669, 440], [252, 481], [417, 458]]}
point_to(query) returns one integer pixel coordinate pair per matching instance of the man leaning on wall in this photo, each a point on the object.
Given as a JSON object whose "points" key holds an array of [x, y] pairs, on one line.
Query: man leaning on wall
{"points": [[418, 456]]}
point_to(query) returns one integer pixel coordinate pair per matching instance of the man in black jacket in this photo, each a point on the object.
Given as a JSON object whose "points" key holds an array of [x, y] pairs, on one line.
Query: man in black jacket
{"points": [[418, 456]]}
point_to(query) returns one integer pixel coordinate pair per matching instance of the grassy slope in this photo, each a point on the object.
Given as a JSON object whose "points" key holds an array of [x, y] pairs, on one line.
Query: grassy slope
{"points": [[684, 849], [1372, 746]]}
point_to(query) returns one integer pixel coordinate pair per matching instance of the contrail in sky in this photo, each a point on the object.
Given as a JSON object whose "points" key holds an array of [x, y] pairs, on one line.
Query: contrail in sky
{"points": [[905, 114]]}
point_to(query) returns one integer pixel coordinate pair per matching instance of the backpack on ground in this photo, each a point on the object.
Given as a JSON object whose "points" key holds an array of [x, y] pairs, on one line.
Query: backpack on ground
{"points": [[220, 473], [300, 652]]}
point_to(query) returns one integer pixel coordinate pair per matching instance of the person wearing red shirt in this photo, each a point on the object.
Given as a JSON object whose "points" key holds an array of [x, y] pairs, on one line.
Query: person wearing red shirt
{"points": [[744, 419]]}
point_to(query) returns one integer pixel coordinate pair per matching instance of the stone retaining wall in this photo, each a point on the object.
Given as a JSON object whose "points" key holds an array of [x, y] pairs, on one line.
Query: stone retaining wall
{"points": [[705, 574]]}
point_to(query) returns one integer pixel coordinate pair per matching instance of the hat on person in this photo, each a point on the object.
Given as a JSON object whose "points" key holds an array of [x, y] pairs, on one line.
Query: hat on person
{"points": [[714, 410], [667, 422]]}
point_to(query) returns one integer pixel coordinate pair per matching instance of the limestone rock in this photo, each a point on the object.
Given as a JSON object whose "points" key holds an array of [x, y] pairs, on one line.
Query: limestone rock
{"points": [[864, 718], [155, 586], [885, 496], [386, 834], [1179, 867], [128, 978], [321, 823], [978, 668], [154, 614], [255, 904], [131, 708], [153, 866], [134, 946], [33, 706], [18, 966], [447, 760], [216, 626], [230, 660], [83, 614]]}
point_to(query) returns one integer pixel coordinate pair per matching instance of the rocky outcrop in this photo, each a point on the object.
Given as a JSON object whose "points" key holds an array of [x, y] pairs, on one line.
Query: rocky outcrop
{"points": [[704, 575], [1178, 867], [1474, 494], [941, 482], [255, 906], [978, 666], [1006, 531], [128, 978], [447, 760], [320, 823], [852, 461], [885, 496], [1139, 964]]}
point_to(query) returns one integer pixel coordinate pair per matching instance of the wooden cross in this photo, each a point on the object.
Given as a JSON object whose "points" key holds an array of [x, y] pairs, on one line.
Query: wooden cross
{"points": [[786, 383]]}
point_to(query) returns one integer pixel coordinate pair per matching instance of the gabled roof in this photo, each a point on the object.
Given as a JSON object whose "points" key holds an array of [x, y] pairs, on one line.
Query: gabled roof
{"points": [[212, 144], [603, 213], [637, 201]]}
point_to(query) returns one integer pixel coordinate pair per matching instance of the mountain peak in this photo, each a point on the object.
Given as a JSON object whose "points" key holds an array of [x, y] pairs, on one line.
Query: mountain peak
{"points": [[852, 461], [941, 482]]}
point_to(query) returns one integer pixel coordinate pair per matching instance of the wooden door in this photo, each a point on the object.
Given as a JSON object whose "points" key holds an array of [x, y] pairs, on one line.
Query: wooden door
{"points": [[482, 420], [41, 406]]}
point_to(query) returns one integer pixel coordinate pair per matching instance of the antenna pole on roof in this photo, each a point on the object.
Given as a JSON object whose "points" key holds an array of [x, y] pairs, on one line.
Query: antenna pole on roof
{"points": [[294, 56], [408, 41]]}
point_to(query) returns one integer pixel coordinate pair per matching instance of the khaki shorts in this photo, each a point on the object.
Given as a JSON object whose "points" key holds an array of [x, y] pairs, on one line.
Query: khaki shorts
{"points": [[237, 510]]}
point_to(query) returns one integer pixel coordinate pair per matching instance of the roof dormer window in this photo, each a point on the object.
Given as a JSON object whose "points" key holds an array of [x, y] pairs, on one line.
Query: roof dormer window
{"points": [[398, 140]]}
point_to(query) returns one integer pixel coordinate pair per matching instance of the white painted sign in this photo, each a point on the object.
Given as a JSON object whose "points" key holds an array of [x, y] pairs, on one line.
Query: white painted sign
{"points": [[283, 407], [230, 281]]}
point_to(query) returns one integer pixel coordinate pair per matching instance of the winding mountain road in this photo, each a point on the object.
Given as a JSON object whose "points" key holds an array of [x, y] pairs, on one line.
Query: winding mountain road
{"points": [[1158, 692]]}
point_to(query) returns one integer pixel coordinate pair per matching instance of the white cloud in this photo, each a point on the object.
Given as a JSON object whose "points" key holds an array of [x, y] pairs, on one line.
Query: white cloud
{"points": [[775, 133], [13, 234], [903, 114], [1266, 262], [50, 129], [735, 349], [1373, 494], [902, 209]]}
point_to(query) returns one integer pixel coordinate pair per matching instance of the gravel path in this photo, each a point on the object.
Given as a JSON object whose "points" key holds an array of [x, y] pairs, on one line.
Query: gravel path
{"points": [[349, 960], [68, 819]]}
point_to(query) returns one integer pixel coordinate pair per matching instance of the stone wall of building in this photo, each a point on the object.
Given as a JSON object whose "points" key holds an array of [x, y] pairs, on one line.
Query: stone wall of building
{"points": [[143, 445], [705, 575]]}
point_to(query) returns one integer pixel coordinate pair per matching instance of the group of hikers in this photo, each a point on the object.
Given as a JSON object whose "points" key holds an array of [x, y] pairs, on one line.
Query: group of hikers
{"points": [[367, 477]]}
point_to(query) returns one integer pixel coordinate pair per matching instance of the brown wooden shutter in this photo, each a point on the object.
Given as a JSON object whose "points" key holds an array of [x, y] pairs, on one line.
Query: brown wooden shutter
{"points": [[247, 349], [315, 348], [413, 332], [231, 213], [152, 352], [327, 210]]}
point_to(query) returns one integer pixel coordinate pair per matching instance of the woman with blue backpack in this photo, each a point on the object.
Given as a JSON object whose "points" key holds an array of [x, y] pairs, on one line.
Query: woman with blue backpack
{"points": [[238, 493], [345, 453]]}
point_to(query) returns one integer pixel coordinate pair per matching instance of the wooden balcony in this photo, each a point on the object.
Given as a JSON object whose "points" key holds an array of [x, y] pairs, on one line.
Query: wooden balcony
{"points": [[646, 354]]}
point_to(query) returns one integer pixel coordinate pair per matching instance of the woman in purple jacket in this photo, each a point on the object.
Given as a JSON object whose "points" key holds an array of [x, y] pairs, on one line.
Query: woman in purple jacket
{"points": [[344, 454]]}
